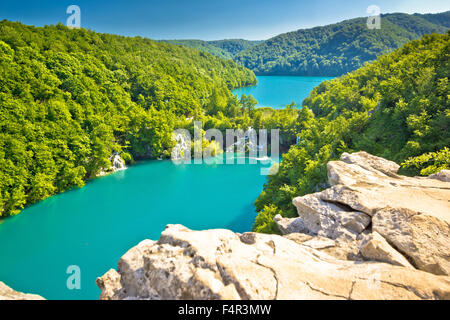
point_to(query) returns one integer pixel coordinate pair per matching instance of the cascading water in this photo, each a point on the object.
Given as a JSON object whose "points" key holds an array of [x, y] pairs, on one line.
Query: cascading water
{"points": [[183, 148]]}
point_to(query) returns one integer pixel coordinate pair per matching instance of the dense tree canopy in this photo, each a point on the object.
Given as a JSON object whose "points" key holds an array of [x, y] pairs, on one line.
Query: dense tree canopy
{"points": [[336, 49], [396, 107], [70, 98], [225, 49]]}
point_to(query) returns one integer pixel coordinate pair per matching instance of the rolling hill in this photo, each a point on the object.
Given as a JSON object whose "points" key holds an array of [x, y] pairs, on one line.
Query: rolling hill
{"points": [[225, 49], [339, 48]]}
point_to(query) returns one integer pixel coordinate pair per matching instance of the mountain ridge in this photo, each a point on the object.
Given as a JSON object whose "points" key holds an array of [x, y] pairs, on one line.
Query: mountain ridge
{"points": [[339, 48], [326, 50]]}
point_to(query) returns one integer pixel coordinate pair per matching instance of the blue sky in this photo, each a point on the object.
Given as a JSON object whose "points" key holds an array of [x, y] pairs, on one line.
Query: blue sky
{"points": [[206, 19]]}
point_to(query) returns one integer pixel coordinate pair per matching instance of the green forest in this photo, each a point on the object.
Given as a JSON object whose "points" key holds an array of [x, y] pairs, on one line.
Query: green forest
{"points": [[336, 49], [397, 107], [225, 49]]}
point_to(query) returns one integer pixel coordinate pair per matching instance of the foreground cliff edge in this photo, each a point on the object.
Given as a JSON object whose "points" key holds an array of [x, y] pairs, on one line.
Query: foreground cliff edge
{"points": [[373, 235], [6, 293]]}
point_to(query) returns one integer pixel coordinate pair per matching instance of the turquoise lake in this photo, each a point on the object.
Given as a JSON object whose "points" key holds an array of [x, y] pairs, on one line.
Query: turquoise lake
{"points": [[94, 226], [278, 91]]}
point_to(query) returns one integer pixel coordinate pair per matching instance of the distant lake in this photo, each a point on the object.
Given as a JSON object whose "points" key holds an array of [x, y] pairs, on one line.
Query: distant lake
{"points": [[278, 91]]}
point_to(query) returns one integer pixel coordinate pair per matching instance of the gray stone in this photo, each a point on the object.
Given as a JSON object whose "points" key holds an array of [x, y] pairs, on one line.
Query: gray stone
{"points": [[443, 175]]}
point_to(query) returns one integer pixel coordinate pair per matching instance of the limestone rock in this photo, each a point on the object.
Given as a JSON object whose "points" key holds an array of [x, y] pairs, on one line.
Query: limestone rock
{"points": [[424, 239], [368, 189], [378, 249], [290, 225], [219, 264], [368, 161], [443, 175], [413, 213], [110, 286], [131, 269], [320, 243], [6, 293], [299, 237], [343, 250], [329, 219]]}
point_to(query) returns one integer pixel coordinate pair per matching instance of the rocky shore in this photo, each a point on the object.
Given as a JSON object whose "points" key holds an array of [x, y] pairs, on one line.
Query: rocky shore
{"points": [[6, 293], [374, 234]]}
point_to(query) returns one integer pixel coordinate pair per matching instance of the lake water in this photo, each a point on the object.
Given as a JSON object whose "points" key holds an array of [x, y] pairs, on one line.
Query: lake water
{"points": [[94, 226], [278, 91]]}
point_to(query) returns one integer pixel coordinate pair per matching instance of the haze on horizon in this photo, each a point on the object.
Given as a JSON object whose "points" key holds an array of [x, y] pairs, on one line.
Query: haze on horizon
{"points": [[206, 20]]}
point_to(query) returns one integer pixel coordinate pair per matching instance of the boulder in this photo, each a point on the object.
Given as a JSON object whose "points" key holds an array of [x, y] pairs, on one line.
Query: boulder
{"points": [[290, 225], [412, 213], [378, 249], [443, 175], [220, 264], [369, 162], [369, 189], [423, 238], [110, 286], [330, 219], [6, 293]]}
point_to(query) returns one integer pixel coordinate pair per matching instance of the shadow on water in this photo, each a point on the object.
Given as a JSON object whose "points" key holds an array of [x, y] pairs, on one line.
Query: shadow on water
{"points": [[245, 218]]}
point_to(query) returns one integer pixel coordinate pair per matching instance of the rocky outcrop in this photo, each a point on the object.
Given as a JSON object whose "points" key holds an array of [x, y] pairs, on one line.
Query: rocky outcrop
{"points": [[6, 293], [329, 219], [374, 234], [287, 226], [443, 175], [219, 264], [371, 185], [410, 214], [378, 249], [424, 239]]}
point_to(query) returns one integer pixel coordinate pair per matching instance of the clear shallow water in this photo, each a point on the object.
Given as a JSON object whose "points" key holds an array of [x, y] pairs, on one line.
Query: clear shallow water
{"points": [[278, 91], [94, 226]]}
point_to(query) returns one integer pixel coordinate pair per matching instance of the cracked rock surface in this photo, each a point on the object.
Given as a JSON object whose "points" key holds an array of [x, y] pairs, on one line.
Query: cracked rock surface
{"points": [[219, 264]]}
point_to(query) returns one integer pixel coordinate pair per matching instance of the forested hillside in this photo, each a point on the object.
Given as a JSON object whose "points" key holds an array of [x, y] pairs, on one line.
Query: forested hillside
{"points": [[225, 49], [336, 49], [396, 107], [71, 98]]}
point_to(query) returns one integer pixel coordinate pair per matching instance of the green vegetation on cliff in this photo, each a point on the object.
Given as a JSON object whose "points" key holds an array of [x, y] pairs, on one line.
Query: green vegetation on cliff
{"points": [[336, 49], [396, 107], [71, 98]]}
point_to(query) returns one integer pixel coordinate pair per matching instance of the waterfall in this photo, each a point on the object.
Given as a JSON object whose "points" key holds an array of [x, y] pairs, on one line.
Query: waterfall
{"points": [[117, 162], [182, 150]]}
